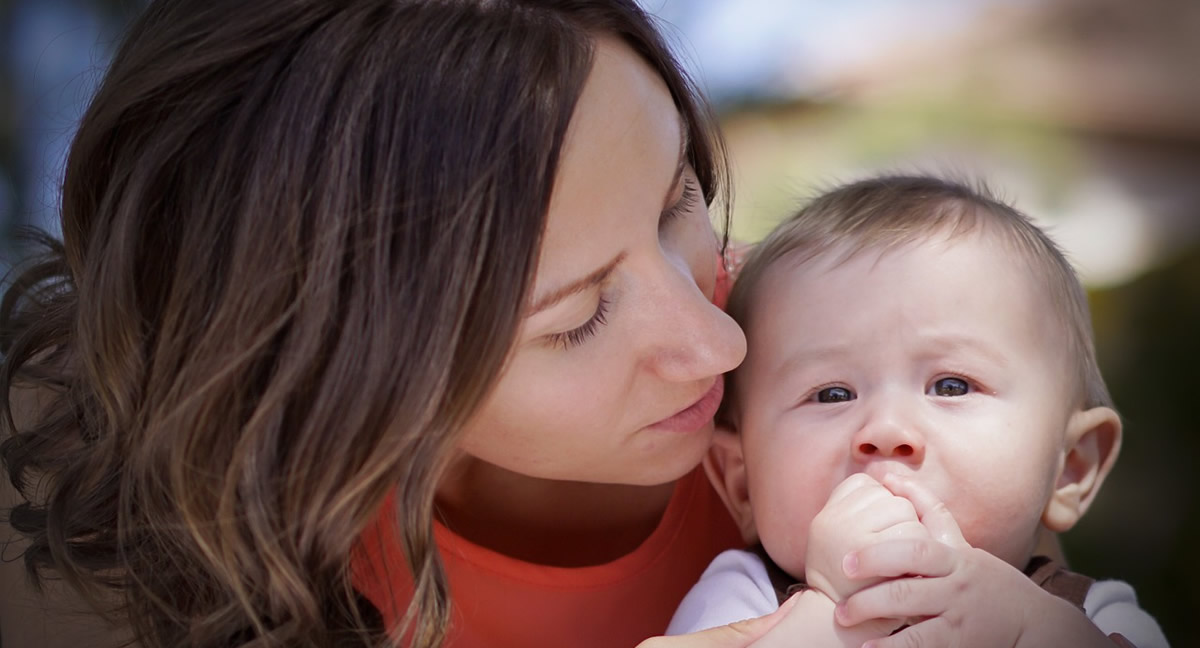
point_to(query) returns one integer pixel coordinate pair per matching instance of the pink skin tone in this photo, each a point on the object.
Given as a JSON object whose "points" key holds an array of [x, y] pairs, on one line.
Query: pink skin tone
{"points": [[602, 410], [932, 368], [699, 414], [608, 394], [966, 596]]}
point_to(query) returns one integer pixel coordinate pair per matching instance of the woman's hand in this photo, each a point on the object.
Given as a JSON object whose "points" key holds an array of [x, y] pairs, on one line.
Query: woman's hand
{"points": [[735, 635], [804, 621]]}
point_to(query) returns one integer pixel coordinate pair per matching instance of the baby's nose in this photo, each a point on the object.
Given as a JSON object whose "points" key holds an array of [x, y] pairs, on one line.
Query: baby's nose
{"points": [[888, 439]]}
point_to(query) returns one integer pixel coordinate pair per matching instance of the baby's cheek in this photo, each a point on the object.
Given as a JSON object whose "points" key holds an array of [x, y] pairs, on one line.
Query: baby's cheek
{"points": [[1004, 527], [784, 533]]}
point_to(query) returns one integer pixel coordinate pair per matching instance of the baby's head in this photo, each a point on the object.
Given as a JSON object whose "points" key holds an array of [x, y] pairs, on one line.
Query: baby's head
{"points": [[922, 327]]}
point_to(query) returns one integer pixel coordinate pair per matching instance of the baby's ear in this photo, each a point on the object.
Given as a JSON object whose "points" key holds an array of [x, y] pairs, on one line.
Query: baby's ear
{"points": [[726, 468], [1093, 442]]}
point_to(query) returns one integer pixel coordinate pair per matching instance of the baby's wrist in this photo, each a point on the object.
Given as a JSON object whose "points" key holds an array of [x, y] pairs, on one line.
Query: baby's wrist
{"points": [[822, 629], [1050, 620], [817, 581]]}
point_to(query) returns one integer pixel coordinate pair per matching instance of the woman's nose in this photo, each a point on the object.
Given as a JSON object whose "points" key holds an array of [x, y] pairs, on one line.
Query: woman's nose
{"points": [[692, 338]]}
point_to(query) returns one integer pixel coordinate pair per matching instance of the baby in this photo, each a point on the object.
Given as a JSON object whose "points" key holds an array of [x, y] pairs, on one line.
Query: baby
{"points": [[914, 342]]}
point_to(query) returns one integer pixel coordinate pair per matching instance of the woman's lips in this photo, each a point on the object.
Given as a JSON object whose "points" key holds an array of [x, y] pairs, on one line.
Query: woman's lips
{"points": [[698, 414]]}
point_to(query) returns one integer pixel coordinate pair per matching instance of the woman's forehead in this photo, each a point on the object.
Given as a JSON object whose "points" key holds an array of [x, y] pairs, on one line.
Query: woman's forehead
{"points": [[618, 165]]}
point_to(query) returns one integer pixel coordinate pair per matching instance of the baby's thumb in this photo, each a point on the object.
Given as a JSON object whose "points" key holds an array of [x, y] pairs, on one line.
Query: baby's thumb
{"points": [[735, 635], [931, 510]]}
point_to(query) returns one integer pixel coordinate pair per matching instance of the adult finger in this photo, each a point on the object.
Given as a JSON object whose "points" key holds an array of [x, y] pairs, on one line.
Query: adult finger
{"points": [[735, 635], [930, 509]]}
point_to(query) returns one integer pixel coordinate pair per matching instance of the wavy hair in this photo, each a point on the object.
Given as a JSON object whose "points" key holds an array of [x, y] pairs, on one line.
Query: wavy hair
{"points": [[297, 239]]}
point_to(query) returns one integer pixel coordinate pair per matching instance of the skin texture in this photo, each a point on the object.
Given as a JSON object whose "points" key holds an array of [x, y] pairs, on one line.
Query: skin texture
{"points": [[567, 444]]}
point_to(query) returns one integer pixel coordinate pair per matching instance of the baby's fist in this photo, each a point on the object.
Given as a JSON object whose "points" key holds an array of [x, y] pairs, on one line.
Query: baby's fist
{"points": [[860, 512]]}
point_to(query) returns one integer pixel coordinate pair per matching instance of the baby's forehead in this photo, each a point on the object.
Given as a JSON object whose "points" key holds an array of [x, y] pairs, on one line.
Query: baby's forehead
{"points": [[829, 255], [807, 277], [827, 280]]}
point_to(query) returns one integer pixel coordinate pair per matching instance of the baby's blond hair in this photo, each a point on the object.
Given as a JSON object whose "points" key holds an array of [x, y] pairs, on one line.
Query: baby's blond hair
{"points": [[891, 211]]}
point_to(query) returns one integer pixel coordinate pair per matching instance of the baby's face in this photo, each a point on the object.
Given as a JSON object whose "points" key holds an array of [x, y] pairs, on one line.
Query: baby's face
{"points": [[940, 361]]}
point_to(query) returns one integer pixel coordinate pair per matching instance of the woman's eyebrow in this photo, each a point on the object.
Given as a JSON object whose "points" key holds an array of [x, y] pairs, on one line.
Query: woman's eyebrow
{"points": [[579, 285]]}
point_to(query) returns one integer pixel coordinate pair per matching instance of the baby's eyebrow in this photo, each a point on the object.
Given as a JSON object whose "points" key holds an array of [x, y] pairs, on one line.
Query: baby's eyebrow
{"points": [[797, 360], [968, 344]]}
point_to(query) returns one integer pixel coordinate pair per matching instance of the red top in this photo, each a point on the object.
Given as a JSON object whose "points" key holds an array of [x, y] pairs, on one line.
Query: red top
{"points": [[502, 602]]}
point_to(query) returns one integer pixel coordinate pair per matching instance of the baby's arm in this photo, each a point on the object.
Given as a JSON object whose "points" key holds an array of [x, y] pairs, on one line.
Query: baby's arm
{"points": [[735, 586], [966, 596]]}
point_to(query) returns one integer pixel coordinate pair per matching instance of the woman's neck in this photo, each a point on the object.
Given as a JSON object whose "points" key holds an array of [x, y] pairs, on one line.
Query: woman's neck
{"points": [[548, 522]]}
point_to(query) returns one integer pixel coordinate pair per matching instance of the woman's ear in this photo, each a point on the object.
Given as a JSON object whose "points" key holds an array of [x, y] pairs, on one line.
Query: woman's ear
{"points": [[726, 468], [1093, 441]]}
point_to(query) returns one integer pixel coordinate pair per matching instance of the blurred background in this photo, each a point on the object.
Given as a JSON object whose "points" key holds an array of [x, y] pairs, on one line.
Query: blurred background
{"points": [[1084, 113]]}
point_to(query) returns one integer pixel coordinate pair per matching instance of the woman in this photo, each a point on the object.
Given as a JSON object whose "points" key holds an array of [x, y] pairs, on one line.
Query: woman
{"points": [[342, 284]]}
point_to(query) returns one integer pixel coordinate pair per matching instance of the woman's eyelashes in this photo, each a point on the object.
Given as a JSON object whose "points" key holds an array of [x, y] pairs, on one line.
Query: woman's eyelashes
{"points": [[687, 200], [580, 334]]}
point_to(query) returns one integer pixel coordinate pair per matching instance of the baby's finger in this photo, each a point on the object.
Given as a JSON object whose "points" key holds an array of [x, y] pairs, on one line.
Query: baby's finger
{"points": [[894, 558], [925, 633], [931, 510], [902, 598], [852, 484], [894, 510], [907, 530]]}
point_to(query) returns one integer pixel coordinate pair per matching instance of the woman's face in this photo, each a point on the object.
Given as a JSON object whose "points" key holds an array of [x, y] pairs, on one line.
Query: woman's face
{"points": [[614, 377]]}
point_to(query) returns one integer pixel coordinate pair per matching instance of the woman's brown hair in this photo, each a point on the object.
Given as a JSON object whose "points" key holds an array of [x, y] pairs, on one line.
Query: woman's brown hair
{"points": [[297, 239]]}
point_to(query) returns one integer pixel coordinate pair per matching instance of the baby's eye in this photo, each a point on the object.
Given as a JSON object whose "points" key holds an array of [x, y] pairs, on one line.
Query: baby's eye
{"points": [[950, 387], [835, 395]]}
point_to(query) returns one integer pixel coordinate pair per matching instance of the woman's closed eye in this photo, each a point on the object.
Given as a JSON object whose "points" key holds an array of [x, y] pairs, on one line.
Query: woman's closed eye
{"points": [[580, 334], [687, 200]]}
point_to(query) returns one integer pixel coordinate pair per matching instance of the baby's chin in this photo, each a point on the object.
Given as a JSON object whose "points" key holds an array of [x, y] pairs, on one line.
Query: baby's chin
{"points": [[790, 564]]}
